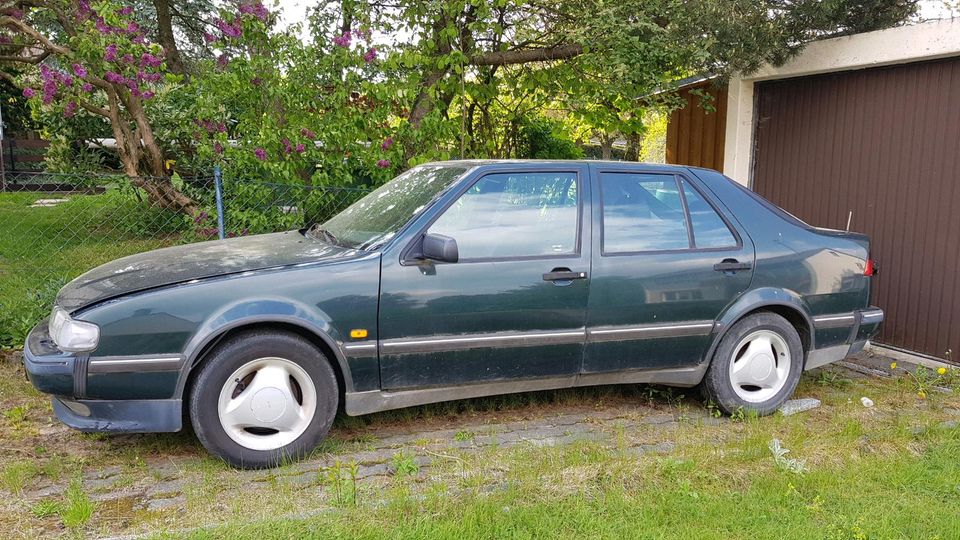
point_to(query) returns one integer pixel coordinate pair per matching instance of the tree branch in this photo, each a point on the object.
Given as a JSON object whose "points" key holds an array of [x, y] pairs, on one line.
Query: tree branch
{"points": [[503, 58], [36, 59]]}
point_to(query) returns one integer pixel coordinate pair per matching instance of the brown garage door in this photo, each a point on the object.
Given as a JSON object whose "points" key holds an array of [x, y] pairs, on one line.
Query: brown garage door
{"points": [[883, 143]]}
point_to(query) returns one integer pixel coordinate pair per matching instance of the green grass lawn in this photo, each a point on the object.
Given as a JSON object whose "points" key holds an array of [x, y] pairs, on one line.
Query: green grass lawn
{"points": [[43, 248]]}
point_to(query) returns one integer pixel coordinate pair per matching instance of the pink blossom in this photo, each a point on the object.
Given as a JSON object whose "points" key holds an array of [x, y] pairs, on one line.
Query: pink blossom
{"points": [[260, 153], [371, 55], [343, 40], [387, 143], [79, 70], [383, 163], [29, 93]]}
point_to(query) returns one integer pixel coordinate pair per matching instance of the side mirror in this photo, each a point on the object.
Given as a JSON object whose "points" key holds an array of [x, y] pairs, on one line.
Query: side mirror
{"points": [[442, 248]]}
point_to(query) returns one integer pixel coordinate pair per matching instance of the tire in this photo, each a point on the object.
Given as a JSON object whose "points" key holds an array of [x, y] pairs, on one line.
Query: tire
{"points": [[263, 398], [756, 367]]}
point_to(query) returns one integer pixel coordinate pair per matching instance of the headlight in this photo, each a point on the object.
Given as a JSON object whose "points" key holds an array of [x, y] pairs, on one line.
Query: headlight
{"points": [[71, 335]]}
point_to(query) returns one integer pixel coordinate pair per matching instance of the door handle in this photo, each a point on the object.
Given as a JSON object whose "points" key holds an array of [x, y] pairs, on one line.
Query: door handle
{"points": [[731, 265], [563, 274]]}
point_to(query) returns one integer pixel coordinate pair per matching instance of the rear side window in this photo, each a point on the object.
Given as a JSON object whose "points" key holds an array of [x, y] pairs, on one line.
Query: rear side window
{"points": [[709, 229], [642, 212]]}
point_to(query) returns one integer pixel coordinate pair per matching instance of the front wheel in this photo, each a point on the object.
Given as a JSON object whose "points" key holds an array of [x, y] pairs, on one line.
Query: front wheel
{"points": [[756, 367], [262, 398]]}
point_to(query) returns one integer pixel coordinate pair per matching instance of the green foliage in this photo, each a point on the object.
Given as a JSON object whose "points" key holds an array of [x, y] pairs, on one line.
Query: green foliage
{"points": [[77, 507], [543, 139], [404, 465]]}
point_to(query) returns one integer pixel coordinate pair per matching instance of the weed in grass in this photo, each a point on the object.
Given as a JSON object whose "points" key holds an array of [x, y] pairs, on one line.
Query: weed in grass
{"points": [[404, 465], [15, 475], [16, 415], [45, 508], [464, 435], [341, 480], [796, 466], [77, 507], [831, 378]]}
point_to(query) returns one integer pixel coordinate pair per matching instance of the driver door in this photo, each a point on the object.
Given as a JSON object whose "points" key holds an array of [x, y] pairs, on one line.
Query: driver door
{"points": [[514, 305]]}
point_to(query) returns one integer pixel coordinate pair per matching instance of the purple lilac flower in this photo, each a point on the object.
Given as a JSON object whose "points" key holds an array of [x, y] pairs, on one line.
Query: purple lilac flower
{"points": [[256, 81], [217, 147], [15, 13], [87, 87], [258, 10], [147, 95], [46, 72], [67, 80], [209, 38], [29, 93], [110, 53], [133, 27], [387, 143], [200, 217], [343, 40], [126, 10], [149, 60], [301, 148], [233, 29], [223, 61], [308, 134], [70, 109], [371, 55], [141, 40], [79, 70], [287, 146], [127, 59], [4, 40], [260, 153], [103, 27], [114, 77], [383, 163]]}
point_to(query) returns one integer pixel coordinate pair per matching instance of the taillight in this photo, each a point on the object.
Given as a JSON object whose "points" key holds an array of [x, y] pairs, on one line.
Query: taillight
{"points": [[870, 269]]}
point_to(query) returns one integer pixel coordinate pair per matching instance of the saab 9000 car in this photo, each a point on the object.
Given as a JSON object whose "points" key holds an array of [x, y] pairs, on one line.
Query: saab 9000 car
{"points": [[458, 280]]}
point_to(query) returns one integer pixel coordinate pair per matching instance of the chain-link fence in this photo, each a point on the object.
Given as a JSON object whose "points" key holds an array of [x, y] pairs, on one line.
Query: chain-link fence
{"points": [[55, 227]]}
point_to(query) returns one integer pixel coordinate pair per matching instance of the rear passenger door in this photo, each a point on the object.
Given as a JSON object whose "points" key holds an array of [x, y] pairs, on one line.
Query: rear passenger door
{"points": [[666, 262]]}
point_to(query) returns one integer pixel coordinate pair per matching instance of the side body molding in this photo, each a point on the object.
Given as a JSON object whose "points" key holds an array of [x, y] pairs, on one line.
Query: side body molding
{"points": [[259, 311], [758, 299]]}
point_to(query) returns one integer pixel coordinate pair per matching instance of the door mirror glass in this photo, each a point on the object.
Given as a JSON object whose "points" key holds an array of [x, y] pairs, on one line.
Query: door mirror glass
{"points": [[438, 247]]}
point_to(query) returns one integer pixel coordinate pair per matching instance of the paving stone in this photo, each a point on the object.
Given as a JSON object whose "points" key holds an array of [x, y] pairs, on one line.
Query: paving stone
{"points": [[658, 419], [157, 505], [166, 486], [795, 406], [948, 424]]}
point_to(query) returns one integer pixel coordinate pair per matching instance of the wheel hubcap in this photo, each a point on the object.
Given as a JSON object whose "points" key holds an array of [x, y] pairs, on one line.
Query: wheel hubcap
{"points": [[267, 403], [760, 366]]}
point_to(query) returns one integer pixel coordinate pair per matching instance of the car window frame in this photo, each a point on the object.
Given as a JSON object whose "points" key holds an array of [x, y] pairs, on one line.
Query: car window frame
{"points": [[407, 260], [678, 179]]}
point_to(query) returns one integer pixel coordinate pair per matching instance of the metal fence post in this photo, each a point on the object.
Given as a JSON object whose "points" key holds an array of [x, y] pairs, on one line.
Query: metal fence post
{"points": [[218, 187]]}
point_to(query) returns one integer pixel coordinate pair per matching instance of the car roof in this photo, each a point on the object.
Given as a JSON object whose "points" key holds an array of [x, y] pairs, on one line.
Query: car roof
{"points": [[481, 162]]}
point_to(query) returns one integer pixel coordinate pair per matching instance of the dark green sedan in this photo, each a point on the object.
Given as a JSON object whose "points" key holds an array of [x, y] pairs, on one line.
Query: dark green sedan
{"points": [[458, 280]]}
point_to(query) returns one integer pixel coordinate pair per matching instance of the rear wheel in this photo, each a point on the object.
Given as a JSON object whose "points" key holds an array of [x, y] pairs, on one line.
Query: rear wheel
{"points": [[757, 365], [263, 398]]}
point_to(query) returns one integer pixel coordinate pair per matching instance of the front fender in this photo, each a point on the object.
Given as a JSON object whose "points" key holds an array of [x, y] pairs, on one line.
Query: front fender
{"points": [[254, 311], [758, 299]]}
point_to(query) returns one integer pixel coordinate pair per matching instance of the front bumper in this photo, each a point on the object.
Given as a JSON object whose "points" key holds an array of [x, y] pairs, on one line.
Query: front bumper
{"points": [[64, 375]]}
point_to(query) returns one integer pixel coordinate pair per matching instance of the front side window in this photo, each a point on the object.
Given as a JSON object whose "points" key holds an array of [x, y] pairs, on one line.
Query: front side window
{"points": [[507, 215], [642, 212]]}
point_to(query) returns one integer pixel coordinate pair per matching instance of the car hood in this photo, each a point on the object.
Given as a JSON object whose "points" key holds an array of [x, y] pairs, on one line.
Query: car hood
{"points": [[178, 264]]}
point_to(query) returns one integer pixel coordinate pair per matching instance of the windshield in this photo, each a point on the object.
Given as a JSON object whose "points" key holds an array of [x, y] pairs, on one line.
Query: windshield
{"points": [[373, 220]]}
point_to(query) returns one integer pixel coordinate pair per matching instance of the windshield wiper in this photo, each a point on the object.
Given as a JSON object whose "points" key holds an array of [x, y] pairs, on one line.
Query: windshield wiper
{"points": [[325, 234]]}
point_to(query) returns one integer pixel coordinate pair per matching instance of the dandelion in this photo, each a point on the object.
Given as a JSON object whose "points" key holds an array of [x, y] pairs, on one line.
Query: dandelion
{"points": [[893, 365], [941, 371], [29, 93], [260, 153], [383, 163], [922, 394]]}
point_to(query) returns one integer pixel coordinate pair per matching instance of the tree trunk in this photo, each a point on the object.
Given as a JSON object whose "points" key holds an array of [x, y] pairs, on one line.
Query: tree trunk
{"points": [[166, 37], [633, 147], [606, 147]]}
